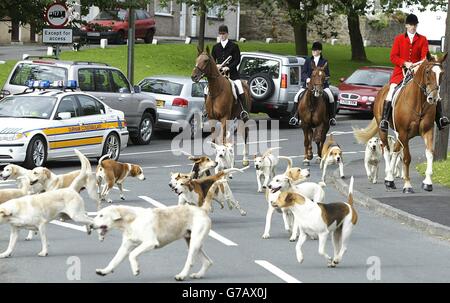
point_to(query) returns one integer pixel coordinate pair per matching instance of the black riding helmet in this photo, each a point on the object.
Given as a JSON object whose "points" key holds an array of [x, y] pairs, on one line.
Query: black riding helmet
{"points": [[316, 46], [411, 19]]}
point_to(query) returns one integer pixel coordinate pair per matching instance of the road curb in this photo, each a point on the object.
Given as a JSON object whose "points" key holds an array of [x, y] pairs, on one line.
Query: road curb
{"points": [[422, 224]]}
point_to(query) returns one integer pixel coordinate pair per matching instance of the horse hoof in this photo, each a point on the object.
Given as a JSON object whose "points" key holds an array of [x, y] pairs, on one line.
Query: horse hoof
{"points": [[408, 190], [389, 184], [306, 162], [318, 159], [427, 187]]}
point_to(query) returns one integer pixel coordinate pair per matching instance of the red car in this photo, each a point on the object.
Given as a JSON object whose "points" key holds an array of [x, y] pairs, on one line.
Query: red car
{"points": [[358, 92], [113, 25]]}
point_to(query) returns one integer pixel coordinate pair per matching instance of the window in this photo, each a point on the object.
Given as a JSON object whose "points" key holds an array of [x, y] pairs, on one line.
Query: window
{"points": [[101, 79], [250, 66], [294, 73], [68, 105], [88, 106], [198, 89], [117, 15], [369, 78], [215, 12], [163, 10], [141, 15], [164, 87], [86, 80], [120, 83], [27, 71]]}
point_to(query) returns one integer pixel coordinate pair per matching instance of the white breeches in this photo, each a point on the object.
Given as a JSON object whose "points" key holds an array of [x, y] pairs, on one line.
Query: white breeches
{"points": [[391, 92], [326, 90], [240, 89]]}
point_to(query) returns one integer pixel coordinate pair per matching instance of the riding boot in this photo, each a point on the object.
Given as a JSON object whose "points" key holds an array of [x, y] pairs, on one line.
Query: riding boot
{"points": [[441, 121], [332, 113], [244, 113], [204, 113], [387, 109]]}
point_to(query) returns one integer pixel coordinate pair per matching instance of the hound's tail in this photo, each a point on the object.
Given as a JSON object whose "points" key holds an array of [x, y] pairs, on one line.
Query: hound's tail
{"points": [[350, 192], [79, 182], [269, 151], [233, 169], [363, 135], [211, 194], [289, 162], [103, 158]]}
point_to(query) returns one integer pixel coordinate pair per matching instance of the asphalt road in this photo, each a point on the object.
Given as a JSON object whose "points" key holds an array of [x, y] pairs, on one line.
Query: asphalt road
{"points": [[380, 249]]}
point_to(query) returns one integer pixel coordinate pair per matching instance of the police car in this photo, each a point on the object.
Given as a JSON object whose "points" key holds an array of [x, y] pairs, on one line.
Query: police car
{"points": [[43, 124]]}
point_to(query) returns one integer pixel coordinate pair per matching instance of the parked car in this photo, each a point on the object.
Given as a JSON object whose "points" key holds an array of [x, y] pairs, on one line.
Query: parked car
{"points": [[105, 82], [358, 92], [177, 98], [42, 125], [113, 25], [274, 80]]}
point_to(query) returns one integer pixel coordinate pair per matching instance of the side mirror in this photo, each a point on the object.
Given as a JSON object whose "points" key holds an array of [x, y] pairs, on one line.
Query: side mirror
{"points": [[137, 89], [123, 90], [342, 80], [64, 116]]}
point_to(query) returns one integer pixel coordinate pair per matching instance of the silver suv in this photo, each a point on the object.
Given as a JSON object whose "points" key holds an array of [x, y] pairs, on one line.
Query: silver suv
{"points": [[105, 82], [274, 80]]}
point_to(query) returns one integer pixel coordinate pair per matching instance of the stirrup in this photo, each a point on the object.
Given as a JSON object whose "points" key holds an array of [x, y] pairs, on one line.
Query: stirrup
{"points": [[384, 125], [293, 121], [332, 122], [443, 122], [244, 115]]}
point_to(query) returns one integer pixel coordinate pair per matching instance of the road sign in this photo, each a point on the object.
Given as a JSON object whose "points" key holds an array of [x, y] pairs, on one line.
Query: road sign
{"points": [[57, 15], [57, 35]]}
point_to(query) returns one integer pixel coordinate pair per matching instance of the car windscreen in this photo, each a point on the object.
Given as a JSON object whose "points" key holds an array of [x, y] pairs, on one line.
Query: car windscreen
{"points": [[198, 89], [164, 87], [30, 71], [369, 78], [118, 15], [38, 107], [250, 66]]}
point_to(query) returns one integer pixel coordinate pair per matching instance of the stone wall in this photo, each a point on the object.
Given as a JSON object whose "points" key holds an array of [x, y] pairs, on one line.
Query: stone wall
{"points": [[256, 26]]}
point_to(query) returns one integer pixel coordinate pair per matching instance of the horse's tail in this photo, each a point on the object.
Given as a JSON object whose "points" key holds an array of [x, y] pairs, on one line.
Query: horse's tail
{"points": [[363, 135]]}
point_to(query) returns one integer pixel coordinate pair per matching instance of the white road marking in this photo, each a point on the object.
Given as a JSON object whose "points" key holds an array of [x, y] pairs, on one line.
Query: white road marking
{"points": [[339, 133], [277, 272], [150, 152], [212, 233], [175, 165], [264, 141], [69, 225], [149, 167]]}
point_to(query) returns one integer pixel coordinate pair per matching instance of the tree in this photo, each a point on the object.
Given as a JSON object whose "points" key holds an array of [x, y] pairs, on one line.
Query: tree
{"points": [[441, 137], [201, 7]]}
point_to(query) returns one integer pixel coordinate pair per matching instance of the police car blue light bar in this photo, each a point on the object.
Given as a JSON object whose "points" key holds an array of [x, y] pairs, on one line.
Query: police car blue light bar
{"points": [[43, 84]]}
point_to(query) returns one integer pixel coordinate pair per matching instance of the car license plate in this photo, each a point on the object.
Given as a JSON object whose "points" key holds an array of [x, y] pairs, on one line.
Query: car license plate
{"points": [[93, 34], [160, 103], [348, 102]]}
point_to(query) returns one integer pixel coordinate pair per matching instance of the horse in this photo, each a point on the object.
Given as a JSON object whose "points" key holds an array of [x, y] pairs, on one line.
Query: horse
{"points": [[413, 115], [313, 114], [220, 103]]}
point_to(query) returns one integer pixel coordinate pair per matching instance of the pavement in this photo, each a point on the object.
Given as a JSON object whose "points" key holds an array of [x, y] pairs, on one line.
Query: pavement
{"points": [[426, 211], [381, 248]]}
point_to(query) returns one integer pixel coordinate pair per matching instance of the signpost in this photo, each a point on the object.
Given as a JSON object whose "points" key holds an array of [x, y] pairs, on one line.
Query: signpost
{"points": [[57, 16]]}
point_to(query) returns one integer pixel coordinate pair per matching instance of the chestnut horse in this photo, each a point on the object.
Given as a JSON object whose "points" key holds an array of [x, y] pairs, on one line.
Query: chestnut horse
{"points": [[220, 102], [413, 115], [313, 114]]}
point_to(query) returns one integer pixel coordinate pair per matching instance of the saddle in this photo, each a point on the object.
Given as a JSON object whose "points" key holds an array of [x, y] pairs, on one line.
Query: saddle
{"points": [[398, 88]]}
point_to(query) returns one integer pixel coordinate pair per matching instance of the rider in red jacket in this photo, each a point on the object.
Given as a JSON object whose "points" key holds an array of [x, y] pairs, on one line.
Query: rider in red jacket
{"points": [[408, 49]]}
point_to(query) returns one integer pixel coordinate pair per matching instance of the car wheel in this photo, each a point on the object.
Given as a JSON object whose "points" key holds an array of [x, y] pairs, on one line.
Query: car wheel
{"points": [[149, 36], [112, 146], [145, 130], [120, 38], [36, 153], [261, 86]]}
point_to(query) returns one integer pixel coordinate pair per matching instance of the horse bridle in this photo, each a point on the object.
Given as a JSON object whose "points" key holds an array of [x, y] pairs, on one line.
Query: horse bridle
{"points": [[424, 87], [203, 71]]}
